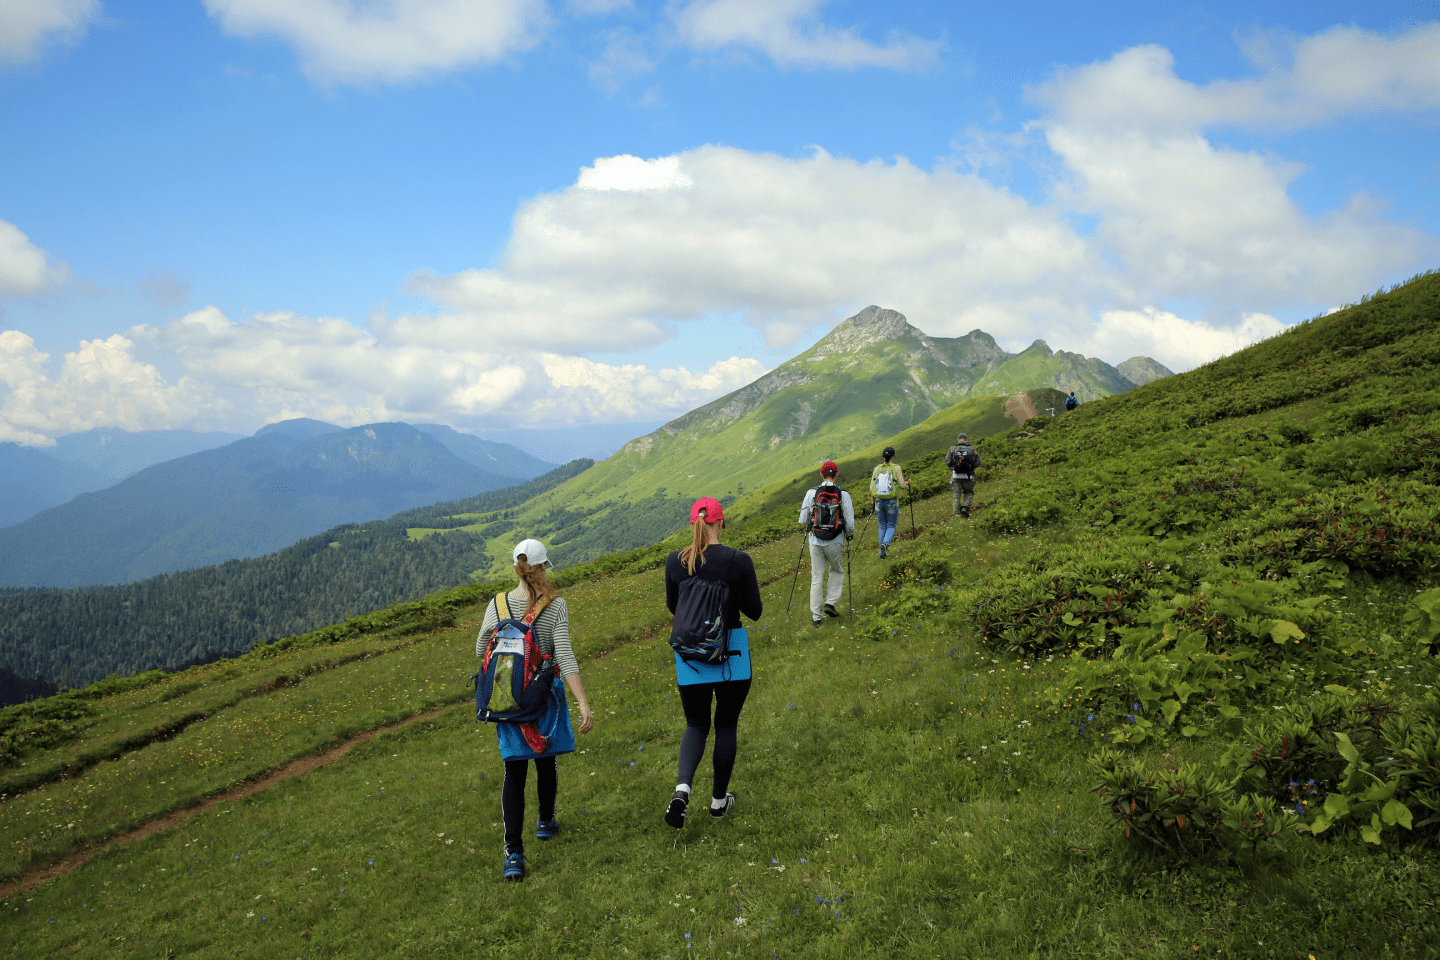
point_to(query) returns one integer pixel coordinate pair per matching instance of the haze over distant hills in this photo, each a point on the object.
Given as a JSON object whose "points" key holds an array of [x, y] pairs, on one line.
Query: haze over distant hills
{"points": [[871, 377], [36, 478], [250, 497]]}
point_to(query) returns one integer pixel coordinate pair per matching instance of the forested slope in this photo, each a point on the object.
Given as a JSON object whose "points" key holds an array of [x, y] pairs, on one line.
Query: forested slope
{"points": [[82, 634]]}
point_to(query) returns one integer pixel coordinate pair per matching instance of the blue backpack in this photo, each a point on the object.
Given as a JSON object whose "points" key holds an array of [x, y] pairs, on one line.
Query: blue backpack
{"points": [[513, 685]]}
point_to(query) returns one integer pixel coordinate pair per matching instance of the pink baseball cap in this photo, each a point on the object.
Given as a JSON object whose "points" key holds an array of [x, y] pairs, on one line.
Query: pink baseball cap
{"points": [[714, 513]]}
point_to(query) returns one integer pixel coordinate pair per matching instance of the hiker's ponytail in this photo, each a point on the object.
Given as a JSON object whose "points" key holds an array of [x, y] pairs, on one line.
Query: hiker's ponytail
{"points": [[694, 555], [533, 579]]}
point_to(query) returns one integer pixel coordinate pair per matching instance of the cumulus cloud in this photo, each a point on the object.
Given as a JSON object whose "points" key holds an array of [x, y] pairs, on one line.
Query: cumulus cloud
{"points": [[635, 246], [1304, 80], [28, 26], [25, 269], [101, 384], [1176, 342], [791, 34], [278, 365], [1190, 218], [352, 41]]}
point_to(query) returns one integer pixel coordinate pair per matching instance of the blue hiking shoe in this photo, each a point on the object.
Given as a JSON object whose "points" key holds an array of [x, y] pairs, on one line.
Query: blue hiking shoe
{"points": [[545, 829], [514, 867]]}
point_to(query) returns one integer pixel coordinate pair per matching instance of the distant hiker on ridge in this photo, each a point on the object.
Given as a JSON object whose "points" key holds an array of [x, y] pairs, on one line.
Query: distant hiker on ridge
{"points": [[708, 586], [1070, 402], [963, 460], [827, 513], [885, 483], [523, 630]]}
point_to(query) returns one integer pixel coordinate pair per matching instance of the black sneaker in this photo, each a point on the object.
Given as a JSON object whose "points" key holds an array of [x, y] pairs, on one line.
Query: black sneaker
{"points": [[675, 813], [882, 551], [817, 623], [830, 610], [718, 812]]}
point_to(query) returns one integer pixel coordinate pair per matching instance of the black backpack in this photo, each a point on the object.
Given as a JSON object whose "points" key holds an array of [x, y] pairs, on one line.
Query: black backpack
{"points": [[1071, 403], [827, 515], [965, 463], [700, 633]]}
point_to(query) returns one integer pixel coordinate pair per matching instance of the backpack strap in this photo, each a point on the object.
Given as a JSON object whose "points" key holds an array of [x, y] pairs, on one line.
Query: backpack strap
{"points": [[534, 614]]}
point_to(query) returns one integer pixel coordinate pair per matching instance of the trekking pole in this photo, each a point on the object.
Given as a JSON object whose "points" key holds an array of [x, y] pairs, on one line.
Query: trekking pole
{"points": [[910, 498], [796, 579]]}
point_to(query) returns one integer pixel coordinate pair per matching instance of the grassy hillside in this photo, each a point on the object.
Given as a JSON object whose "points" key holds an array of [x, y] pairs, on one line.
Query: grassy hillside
{"points": [[871, 378], [1171, 692]]}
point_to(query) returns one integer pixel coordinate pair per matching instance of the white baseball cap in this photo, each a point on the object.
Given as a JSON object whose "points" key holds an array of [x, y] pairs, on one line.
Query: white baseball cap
{"points": [[533, 550]]}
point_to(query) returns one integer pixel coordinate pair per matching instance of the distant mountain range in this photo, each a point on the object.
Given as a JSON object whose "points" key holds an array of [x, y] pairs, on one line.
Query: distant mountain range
{"points": [[253, 496], [870, 378], [37, 478]]}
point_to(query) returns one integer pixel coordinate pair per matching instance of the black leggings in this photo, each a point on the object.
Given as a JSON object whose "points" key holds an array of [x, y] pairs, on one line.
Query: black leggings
{"points": [[729, 698], [512, 798]]}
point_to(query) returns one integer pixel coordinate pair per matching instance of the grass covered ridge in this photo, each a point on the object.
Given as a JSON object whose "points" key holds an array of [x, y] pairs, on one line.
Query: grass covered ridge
{"points": [[1048, 733]]}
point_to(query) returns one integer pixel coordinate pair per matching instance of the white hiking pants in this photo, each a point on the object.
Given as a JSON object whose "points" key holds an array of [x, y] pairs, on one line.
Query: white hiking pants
{"points": [[825, 556]]}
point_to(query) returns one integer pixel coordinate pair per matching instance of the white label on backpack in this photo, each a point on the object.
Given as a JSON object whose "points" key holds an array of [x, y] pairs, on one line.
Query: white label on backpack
{"points": [[510, 645]]}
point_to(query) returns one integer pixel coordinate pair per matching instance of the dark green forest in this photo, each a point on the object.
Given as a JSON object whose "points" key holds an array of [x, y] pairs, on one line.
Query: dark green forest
{"points": [[79, 635]]}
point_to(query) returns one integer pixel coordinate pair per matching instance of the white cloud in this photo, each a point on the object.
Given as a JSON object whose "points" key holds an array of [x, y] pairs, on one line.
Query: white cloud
{"points": [[637, 245], [1189, 218], [1177, 343], [631, 391], [27, 26], [632, 173], [275, 366], [791, 34], [101, 384], [25, 269], [1305, 81], [354, 41]]}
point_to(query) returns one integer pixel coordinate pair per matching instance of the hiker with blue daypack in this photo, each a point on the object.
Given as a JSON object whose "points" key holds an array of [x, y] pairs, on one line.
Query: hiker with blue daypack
{"points": [[1070, 402], [885, 483], [828, 516], [963, 460], [708, 586], [524, 646]]}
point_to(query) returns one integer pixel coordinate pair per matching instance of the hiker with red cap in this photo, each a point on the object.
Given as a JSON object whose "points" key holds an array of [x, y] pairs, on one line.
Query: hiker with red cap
{"points": [[829, 516], [708, 586]]}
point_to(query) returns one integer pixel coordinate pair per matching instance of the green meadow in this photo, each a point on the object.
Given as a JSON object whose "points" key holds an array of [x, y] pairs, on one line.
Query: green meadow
{"points": [[1171, 691]]}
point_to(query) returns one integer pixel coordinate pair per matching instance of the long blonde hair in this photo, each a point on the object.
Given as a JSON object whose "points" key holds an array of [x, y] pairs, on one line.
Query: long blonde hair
{"points": [[533, 579], [694, 554]]}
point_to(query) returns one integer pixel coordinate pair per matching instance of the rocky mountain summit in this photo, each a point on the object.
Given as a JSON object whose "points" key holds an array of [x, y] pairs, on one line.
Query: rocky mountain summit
{"points": [[924, 373]]}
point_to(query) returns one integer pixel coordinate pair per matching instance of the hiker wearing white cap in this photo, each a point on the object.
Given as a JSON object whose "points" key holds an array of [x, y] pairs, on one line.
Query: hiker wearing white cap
{"points": [[537, 603]]}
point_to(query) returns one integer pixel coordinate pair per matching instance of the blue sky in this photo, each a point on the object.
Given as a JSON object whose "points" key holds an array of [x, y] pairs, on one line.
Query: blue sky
{"points": [[532, 213]]}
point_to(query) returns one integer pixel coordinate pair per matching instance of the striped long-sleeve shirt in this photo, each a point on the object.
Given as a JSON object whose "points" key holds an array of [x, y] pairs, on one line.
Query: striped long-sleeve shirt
{"points": [[551, 628]]}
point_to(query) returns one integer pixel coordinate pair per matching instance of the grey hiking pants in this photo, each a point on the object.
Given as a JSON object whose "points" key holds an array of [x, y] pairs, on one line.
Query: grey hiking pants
{"points": [[962, 490], [826, 556]]}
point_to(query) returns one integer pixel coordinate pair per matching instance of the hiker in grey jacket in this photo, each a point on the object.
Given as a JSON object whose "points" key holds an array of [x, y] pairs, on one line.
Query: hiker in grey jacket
{"points": [[827, 545], [962, 477]]}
